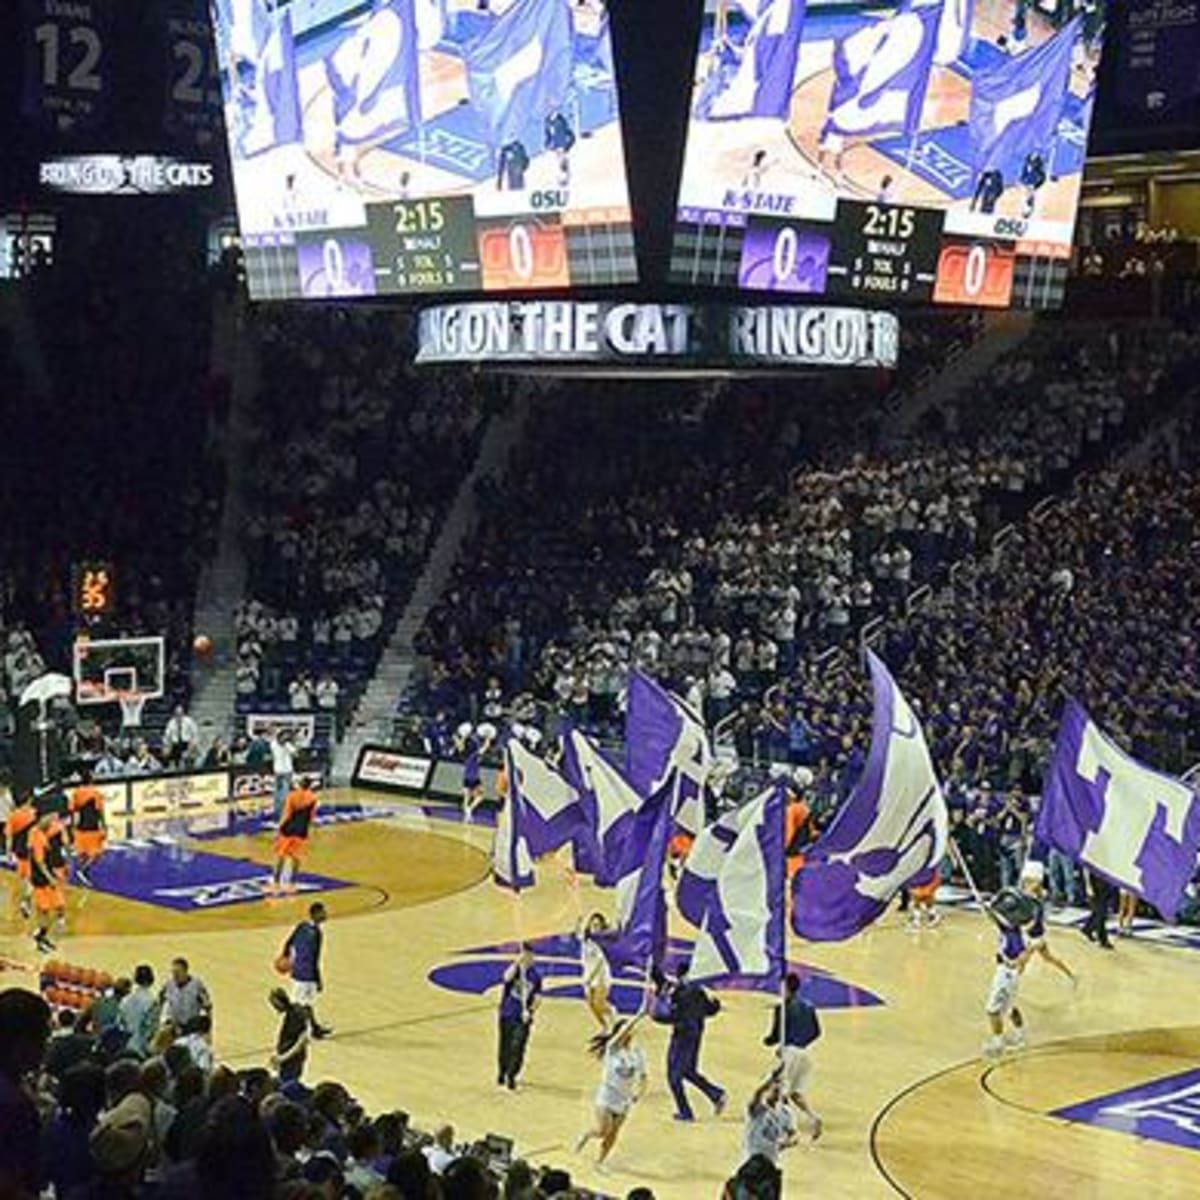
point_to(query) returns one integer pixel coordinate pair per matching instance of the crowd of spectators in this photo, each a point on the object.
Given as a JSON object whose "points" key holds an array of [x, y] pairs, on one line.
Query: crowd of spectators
{"points": [[127, 1101], [720, 553], [355, 459]]}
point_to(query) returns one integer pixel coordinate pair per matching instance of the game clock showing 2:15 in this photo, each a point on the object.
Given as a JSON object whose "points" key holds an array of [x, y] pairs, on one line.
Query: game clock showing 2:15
{"points": [[885, 250], [424, 245]]}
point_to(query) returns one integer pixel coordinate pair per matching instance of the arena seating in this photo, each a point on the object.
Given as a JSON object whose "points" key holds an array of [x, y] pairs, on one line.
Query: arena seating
{"points": [[117, 1123], [355, 459], [683, 546]]}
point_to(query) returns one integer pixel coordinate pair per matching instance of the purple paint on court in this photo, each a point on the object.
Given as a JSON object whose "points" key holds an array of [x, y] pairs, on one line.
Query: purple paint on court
{"points": [[169, 875], [1163, 1110], [481, 968]]}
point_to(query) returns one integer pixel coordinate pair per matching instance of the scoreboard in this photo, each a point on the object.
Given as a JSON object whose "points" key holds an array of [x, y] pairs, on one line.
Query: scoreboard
{"points": [[868, 252], [399, 147], [929, 152]]}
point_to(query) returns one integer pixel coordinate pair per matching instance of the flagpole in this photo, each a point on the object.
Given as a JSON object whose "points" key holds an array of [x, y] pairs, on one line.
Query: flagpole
{"points": [[956, 854]]}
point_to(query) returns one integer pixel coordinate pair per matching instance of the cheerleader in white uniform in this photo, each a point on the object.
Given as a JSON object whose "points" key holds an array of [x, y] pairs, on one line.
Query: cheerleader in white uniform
{"points": [[622, 1085], [597, 974]]}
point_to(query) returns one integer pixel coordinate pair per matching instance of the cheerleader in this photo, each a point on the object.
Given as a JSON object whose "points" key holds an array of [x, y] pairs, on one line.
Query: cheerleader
{"points": [[472, 745], [597, 974], [621, 1087]]}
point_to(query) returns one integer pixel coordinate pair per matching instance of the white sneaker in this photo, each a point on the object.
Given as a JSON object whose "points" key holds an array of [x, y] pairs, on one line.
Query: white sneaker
{"points": [[993, 1047], [1015, 1040], [935, 918]]}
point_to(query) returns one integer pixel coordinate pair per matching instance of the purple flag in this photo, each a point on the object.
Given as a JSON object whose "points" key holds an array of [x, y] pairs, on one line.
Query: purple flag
{"points": [[666, 744], [732, 890], [546, 808], [1138, 828], [881, 73], [1016, 107], [761, 82], [609, 804], [891, 832], [641, 906]]}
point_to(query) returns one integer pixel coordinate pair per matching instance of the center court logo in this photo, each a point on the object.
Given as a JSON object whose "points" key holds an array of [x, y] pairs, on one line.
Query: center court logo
{"points": [[479, 970], [1164, 1110]]}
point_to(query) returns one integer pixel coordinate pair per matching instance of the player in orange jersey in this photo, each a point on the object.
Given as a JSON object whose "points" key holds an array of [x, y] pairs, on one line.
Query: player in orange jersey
{"points": [[88, 826], [294, 825], [49, 902], [17, 829]]}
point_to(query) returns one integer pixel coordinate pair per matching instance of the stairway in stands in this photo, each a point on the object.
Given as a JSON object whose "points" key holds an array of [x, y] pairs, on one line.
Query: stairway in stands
{"points": [[223, 580], [372, 719]]}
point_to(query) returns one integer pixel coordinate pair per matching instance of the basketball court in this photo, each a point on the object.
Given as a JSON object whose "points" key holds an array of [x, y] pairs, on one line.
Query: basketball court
{"points": [[1107, 1097]]}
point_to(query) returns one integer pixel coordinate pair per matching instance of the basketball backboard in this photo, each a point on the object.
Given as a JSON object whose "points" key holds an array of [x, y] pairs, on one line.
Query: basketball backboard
{"points": [[111, 670]]}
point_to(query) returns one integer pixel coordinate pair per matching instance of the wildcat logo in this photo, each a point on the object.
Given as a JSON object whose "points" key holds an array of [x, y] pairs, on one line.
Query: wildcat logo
{"points": [[481, 969]]}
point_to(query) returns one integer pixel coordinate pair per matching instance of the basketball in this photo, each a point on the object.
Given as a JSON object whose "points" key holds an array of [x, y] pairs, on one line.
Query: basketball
{"points": [[202, 645]]}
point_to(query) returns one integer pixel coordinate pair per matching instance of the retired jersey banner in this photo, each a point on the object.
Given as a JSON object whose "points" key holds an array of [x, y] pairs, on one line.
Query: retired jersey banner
{"points": [[1158, 55], [68, 79], [192, 95]]}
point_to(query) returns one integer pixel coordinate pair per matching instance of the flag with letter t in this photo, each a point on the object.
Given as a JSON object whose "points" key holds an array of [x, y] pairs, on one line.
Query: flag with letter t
{"points": [[1134, 826]]}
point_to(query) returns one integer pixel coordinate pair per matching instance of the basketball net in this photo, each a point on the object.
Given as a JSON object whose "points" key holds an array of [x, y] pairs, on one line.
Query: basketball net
{"points": [[131, 704]]}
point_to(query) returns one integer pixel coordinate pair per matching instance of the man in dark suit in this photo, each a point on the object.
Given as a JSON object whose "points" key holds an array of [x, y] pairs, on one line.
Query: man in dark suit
{"points": [[689, 1007]]}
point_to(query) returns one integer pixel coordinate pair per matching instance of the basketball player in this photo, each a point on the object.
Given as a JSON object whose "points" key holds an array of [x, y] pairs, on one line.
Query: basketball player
{"points": [[800, 1028], [17, 829], [923, 902], [298, 811], [87, 825], [48, 900], [597, 974], [560, 138], [1011, 956], [759, 165], [519, 995], [56, 855], [1033, 875], [621, 1086], [304, 946]]}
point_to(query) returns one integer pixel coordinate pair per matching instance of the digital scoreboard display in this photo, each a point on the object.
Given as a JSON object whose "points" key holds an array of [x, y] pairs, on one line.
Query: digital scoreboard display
{"points": [[921, 150], [400, 147]]}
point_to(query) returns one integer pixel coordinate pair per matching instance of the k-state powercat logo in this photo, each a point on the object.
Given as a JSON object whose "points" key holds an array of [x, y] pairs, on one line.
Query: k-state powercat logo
{"points": [[479, 970]]}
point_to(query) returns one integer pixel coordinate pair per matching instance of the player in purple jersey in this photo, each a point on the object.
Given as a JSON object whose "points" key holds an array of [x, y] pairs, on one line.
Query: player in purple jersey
{"points": [[1033, 876], [1011, 956]]}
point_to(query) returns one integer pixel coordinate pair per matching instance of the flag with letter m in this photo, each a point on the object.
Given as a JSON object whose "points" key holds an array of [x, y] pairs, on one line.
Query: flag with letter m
{"points": [[1016, 107], [1134, 826], [520, 70]]}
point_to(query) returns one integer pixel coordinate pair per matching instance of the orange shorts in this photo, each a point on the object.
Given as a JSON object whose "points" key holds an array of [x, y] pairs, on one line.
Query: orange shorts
{"points": [[89, 844], [24, 870], [48, 899], [290, 847], [926, 892]]}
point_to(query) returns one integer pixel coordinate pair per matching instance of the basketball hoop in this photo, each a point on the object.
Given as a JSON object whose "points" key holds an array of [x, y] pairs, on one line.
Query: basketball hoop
{"points": [[131, 704]]}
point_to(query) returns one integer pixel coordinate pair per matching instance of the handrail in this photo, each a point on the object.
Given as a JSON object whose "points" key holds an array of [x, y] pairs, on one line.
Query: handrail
{"points": [[720, 728], [1043, 508], [870, 633], [918, 599]]}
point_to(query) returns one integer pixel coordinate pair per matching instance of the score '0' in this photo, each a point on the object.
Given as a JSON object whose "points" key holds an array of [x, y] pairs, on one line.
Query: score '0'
{"points": [[520, 251]]}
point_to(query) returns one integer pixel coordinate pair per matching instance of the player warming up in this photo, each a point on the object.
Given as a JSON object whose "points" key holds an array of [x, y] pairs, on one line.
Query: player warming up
{"points": [[303, 952], [298, 811], [49, 902], [88, 826], [621, 1086], [17, 828]]}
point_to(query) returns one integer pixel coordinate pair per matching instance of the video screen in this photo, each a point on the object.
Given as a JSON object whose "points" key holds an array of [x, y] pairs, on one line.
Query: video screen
{"points": [[424, 146], [925, 150]]}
